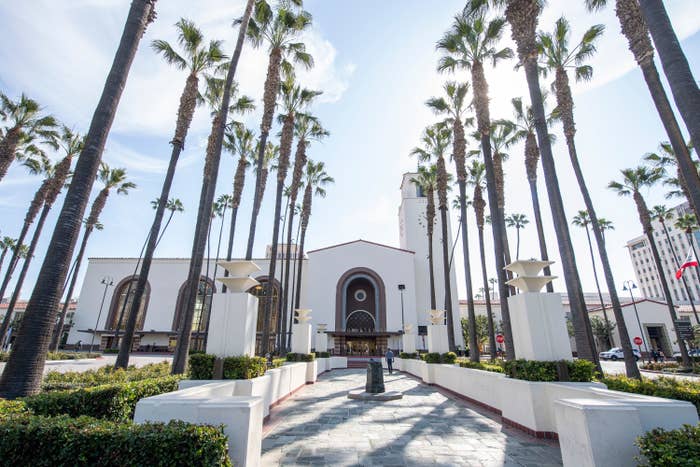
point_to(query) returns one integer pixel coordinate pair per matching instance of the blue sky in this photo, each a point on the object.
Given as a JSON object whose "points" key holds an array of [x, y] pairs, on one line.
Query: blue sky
{"points": [[376, 63]]}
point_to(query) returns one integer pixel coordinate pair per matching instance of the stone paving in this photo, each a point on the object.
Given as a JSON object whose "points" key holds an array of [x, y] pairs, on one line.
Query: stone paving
{"points": [[319, 425]]}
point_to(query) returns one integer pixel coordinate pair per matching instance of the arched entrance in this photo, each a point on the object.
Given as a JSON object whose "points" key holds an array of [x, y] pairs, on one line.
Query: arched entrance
{"points": [[260, 291]]}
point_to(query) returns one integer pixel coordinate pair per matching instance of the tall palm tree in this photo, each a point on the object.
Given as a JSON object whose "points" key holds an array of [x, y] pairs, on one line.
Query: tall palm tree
{"points": [[557, 56], [435, 141], [635, 30], [662, 214], [26, 129], [454, 106], [582, 219], [477, 178], [666, 159], [294, 99], [239, 141], [24, 369], [468, 44], [524, 124], [633, 181], [216, 91], [7, 243], [316, 180], [279, 28], [113, 180], [523, 16], [519, 221], [427, 180], [680, 78], [307, 128]]}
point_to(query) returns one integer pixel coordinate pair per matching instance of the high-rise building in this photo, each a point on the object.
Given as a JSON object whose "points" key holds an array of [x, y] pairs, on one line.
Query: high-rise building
{"points": [[672, 253]]}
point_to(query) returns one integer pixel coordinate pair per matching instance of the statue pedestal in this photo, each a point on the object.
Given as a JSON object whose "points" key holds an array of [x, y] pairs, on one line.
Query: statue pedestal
{"points": [[437, 338], [408, 342], [301, 338], [232, 325], [539, 326], [321, 342]]}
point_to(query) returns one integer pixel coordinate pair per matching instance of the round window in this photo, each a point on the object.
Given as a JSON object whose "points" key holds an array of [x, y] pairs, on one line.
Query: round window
{"points": [[360, 295]]}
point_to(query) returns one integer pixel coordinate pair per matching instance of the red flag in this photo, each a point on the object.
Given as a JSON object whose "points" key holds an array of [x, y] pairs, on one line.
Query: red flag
{"points": [[690, 261]]}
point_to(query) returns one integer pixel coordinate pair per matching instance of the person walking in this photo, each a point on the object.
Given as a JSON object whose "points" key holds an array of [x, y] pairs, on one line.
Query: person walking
{"points": [[390, 360]]}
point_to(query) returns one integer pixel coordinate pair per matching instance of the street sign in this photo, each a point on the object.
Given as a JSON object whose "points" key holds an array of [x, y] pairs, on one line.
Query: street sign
{"points": [[637, 340], [500, 339], [685, 329]]}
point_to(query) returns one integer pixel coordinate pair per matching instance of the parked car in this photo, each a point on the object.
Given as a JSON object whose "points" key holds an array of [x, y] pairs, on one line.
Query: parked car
{"points": [[691, 353], [616, 354]]}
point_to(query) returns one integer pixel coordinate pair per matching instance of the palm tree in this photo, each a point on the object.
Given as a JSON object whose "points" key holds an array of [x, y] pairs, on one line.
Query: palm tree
{"points": [[634, 28], [278, 28], [519, 221], [453, 105], [294, 99], [316, 181], [26, 129], [435, 140], [113, 180], [468, 44], [633, 181], [7, 243], [307, 128], [662, 214], [675, 64], [427, 180], [24, 369], [240, 141], [524, 124], [582, 219], [558, 58], [666, 159], [476, 177]]}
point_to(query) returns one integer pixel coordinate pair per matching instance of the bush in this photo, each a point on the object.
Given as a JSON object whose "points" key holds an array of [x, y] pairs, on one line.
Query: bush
{"points": [[84, 441], [659, 366], [493, 367], [110, 351], [115, 402], [4, 356], [434, 357], [301, 357], [105, 375], [12, 407], [277, 362], [580, 371], [244, 367], [409, 356], [201, 366], [671, 448], [323, 355], [670, 388]]}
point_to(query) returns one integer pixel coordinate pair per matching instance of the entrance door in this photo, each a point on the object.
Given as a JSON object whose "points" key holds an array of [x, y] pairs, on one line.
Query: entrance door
{"points": [[658, 339], [361, 346]]}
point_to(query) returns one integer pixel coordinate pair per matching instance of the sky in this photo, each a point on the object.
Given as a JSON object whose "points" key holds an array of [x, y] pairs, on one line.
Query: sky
{"points": [[376, 63]]}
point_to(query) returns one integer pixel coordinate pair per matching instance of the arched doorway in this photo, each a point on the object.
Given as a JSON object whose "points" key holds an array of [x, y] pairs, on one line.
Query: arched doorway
{"points": [[120, 311], [200, 318], [260, 291]]}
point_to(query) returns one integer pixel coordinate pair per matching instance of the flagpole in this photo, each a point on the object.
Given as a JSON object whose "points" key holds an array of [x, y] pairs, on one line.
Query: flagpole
{"points": [[679, 265]]}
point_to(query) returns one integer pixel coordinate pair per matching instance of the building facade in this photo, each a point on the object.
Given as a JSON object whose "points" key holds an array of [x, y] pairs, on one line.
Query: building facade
{"points": [[362, 292]]}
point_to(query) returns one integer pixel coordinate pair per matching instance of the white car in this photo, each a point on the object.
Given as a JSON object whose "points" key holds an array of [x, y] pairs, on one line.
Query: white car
{"points": [[616, 354], [693, 353]]}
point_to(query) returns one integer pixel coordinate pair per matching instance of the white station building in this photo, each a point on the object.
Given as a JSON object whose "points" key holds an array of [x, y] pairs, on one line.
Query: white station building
{"points": [[363, 292]]}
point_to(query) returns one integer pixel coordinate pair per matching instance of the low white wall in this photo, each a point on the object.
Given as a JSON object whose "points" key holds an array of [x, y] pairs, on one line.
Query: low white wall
{"points": [[338, 362]]}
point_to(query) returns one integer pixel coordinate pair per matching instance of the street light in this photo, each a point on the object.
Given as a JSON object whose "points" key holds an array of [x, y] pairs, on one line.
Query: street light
{"points": [[402, 287], [629, 285], [107, 281]]}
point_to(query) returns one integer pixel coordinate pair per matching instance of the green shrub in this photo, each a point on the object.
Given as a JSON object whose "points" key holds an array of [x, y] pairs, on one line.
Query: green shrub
{"points": [[300, 357], [659, 366], [434, 357], [244, 367], [669, 388], [580, 371], [323, 355], [110, 351], [448, 357], [409, 355], [492, 367], [12, 407], [671, 448], [277, 362], [104, 375], [84, 441], [4, 356], [201, 366], [110, 401]]}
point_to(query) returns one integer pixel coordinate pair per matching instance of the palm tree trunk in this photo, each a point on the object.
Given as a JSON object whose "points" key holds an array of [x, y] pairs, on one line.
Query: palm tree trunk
{"points": [[229, 250], [238, 185], [454, 245], [293, 287], [267, 317], [473, 342], [489, 314], [2, 257], [216, 269], [517, 243], [300, 263], [24, 370], [8, 147], [285, 280], [280, 306], [597, 286], [446, 274], [23, 273], [675, 64], [540, 230], [645, 220]]}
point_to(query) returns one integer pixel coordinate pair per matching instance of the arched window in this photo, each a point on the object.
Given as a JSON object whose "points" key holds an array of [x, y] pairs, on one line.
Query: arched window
{"points": [[260, 292], [122, 301], [202, 307]]}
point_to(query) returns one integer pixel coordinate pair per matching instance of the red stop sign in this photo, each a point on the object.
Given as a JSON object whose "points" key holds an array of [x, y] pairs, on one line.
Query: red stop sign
{"points": [[500, 339], [638, 340]]}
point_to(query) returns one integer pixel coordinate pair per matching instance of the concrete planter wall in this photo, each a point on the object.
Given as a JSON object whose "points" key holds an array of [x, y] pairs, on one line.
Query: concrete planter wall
{"points": [[338, 362]]}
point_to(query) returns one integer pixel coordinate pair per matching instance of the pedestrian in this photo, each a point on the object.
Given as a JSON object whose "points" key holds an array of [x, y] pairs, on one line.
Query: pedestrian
{"points": [[390, 360], [661, 355], [77, 345], [655, 355]]}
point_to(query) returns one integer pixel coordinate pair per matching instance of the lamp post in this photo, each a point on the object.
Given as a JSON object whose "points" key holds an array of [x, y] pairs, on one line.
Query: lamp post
{"points": [[629, 285], [107, 281], [402, 287]]}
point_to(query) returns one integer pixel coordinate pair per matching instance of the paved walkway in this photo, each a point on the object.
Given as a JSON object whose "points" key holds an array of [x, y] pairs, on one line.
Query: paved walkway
{"points": [[318, 425]]}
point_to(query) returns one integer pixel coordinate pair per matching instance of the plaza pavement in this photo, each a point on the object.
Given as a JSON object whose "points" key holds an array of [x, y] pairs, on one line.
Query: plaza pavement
{"points": [[319, 425]]}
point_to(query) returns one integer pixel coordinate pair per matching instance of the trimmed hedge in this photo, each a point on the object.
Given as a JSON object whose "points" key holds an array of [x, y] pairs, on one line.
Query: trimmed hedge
{"points": [[105, 375], [201, 366], [671, 448], [492, 367], [409, 355], [669, 388], [301, 357], [58, 356], [12, 407], [580, 371], [115, 402], [85, 441], [277, 362], [323, 355], [434, 357], [244, 367]]}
